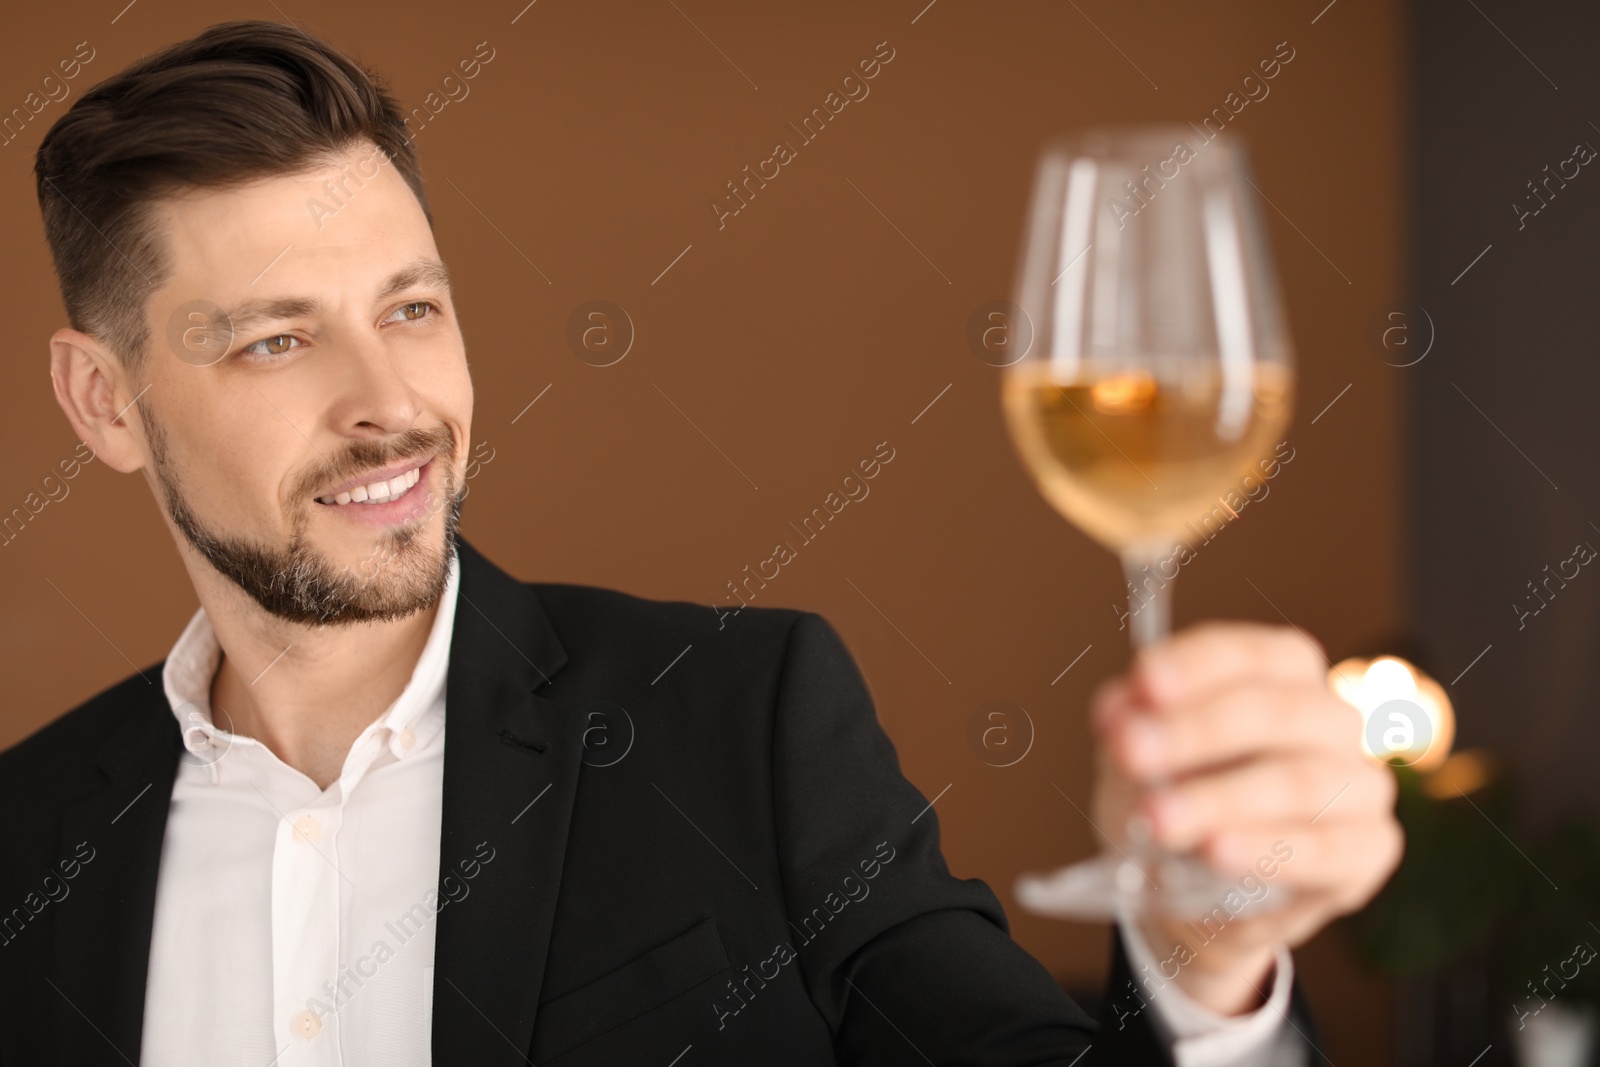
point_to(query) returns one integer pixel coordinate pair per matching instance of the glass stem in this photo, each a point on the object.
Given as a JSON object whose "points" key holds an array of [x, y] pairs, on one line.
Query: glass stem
{"points": [[1149, 597], [1149, 620]]}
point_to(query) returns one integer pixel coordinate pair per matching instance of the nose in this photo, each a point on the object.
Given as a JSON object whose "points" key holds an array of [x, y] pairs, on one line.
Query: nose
{"points": [[374, 397]]}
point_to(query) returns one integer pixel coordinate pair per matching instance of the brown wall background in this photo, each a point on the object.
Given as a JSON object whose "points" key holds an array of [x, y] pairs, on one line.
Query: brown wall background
{"points": [[816, 324]]}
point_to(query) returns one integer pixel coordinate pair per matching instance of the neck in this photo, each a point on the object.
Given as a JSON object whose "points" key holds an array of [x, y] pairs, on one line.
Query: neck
{"points": [[305, 691]]}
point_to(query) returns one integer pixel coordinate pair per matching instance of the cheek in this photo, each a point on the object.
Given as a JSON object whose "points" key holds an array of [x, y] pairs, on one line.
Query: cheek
{"points": [[447, 397], [239, 462], [456, 400], [435, 367]]}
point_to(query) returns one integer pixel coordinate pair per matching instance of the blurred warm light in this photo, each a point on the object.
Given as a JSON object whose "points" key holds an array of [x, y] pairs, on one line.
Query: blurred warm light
{"points": [[1367, 685], [1462, 773], [1127, 393]]}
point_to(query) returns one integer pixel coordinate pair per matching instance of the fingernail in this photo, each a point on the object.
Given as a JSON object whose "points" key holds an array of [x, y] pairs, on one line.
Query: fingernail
{"points": [[1146, 744], [1229, 850], [1104, 710], [1167, 810], [1160, 677]]}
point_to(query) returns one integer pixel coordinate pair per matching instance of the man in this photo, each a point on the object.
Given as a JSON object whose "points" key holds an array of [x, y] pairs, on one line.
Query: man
{"points": [[265, 851]]}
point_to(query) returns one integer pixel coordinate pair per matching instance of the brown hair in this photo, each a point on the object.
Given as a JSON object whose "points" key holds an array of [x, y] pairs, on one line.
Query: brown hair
{"points": [[241, 101]]}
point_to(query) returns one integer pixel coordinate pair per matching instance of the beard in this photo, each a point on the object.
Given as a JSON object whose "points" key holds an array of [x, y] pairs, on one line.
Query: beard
{"points": [[405, 573]]}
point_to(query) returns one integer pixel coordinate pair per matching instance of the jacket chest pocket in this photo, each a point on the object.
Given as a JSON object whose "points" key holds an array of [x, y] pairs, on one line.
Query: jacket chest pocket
{"points": [[637, 987]]}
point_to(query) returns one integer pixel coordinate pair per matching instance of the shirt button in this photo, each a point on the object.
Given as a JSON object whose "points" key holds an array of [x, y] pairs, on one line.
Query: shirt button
{"points": [[308, 829], [408, 737], [306, 1024]]}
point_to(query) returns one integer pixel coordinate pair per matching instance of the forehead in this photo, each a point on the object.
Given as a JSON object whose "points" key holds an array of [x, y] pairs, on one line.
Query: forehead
{"points": [[345, 219]]}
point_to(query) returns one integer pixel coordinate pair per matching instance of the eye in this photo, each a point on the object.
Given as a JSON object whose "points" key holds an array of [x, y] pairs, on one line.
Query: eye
{"points": [[414, 311], [277, 345]]}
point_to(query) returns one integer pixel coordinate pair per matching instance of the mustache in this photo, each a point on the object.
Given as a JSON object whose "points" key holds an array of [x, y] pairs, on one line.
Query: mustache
{"points": [[362, 456]]}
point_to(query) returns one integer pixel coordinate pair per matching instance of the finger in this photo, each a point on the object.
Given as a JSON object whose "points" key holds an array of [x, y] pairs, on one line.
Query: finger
{"points": [[1233, 723], [1212, 654], [1284, 789], [1112, 699], [1346, 860]]}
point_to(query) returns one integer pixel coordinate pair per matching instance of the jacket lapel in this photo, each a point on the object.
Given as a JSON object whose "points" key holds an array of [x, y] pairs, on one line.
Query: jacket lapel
{"points": [[102, 932], [511, 766], [512, 759]]}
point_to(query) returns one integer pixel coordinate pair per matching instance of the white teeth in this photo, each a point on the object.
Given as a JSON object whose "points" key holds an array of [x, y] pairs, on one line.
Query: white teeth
{"points": [[377, 492]]}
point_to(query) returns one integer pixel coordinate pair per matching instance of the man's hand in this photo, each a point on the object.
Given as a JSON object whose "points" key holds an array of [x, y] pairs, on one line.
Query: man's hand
{"points": [[1256, 760]]}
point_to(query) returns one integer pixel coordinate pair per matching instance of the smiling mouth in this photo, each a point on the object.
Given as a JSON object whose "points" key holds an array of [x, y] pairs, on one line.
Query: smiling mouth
{"points": [[379, 492]]}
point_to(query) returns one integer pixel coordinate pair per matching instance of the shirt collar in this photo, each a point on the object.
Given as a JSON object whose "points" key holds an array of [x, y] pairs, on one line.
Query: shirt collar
{"points": [[192, 665]]}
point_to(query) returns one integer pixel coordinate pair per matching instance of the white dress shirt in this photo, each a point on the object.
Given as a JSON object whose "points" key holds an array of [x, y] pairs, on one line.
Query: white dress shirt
{"points": [[1200, 1037], [294, 926]]}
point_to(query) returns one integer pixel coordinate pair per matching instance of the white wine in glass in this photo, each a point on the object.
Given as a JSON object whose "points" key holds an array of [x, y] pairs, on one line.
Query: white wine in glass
{"points": [[1158, 375]]}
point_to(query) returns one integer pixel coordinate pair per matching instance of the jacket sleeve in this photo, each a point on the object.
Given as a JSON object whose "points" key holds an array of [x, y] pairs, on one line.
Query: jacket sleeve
{"points": [[907, 963]]}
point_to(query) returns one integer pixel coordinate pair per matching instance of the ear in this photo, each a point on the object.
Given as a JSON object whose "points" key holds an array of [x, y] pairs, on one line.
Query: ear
{"points": [[97, 397]]}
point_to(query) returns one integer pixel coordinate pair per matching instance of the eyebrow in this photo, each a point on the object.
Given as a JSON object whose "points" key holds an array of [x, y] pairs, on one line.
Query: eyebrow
{"points": [[252, 313]]}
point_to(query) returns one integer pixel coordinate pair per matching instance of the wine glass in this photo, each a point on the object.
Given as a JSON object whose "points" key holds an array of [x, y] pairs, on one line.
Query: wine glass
{"points": [[1158, 375]]}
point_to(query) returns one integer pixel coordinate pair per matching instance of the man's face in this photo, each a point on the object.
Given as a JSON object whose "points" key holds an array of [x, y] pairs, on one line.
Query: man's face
{"points": [[304, 351]]}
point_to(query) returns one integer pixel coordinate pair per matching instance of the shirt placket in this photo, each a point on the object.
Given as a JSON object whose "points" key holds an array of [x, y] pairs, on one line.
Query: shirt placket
{"points": [[313, 984]]}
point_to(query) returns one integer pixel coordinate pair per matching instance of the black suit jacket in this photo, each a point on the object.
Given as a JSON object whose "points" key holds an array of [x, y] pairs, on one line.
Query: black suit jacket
{"points": [[702, 847]]}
